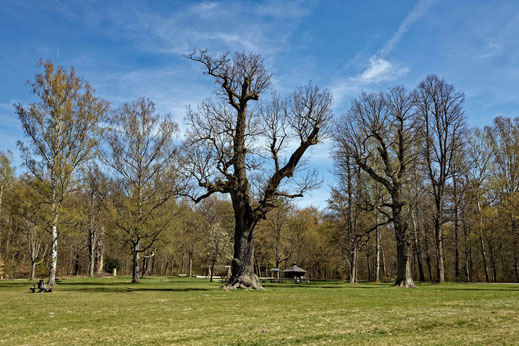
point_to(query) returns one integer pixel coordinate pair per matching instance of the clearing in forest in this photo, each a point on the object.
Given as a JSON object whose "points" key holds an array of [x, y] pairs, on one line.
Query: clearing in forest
{"points": [[194, 311]]}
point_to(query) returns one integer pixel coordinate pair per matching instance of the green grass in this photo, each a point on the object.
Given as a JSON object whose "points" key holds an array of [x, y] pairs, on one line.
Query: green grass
{"points": [[193, 311]]}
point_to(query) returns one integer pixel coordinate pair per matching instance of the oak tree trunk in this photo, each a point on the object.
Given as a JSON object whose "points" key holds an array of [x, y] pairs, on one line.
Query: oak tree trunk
{"points": [[404, 277], [242, 271]]}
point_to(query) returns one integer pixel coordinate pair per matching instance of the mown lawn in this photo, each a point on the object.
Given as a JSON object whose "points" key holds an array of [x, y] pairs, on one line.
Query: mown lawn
{"points": [[193, 311]]}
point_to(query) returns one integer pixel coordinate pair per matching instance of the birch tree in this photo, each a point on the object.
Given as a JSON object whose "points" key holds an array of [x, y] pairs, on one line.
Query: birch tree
{"points": [[62, 129]]}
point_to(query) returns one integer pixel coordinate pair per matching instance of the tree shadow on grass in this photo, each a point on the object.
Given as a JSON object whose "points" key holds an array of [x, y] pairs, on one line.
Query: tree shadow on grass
{"points": [[131, 289], [318, 286]]}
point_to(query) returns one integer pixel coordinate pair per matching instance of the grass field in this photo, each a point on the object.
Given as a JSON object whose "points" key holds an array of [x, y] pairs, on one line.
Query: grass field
{"points": [[193, 311]]}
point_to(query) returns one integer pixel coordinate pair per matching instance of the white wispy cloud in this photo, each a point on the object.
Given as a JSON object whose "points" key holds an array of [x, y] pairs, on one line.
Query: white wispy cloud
{"points": [[378, 70], [219, 26], [284, 9], [416, 13]]}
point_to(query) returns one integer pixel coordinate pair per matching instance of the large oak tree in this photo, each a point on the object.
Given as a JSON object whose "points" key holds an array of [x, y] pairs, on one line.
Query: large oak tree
{"points": [[229, 140]]}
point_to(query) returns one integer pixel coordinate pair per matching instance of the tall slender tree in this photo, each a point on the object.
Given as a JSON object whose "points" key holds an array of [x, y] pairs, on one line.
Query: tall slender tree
{"points": [[62, 130], [440, 108], [6, 177]]}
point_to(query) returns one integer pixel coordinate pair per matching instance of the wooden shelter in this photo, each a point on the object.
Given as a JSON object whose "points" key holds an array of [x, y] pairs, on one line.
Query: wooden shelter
{"points": [[294, 272]]}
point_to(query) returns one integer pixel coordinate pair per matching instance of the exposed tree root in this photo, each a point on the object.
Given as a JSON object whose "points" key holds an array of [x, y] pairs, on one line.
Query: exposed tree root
{"points": [[405, 283], [248, 282]]}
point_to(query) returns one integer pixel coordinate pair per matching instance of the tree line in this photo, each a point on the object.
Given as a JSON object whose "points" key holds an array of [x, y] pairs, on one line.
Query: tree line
{"points": [[419, 194]]}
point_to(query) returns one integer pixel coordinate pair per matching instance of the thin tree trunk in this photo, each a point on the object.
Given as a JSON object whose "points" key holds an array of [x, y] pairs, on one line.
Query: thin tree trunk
{"points": [[144, 269], [368, 264], [438, 232], [384, 270], [482, 243], [377, 253], [53, 255], [516, 245], [213, 262], [54, 237], [353, 265], [135, 264], [76, 264], [99, 260], [417, 247], [492, 261], [91, 251], [33, 270], [456, 230], [428, 257], [182, 262], [190, 254]]}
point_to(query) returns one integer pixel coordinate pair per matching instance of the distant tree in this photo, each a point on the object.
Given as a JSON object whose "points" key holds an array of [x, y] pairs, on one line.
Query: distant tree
{"points": [[218, 241], [504, 138], [192, 230], [355, 204], [27, 214], [225, 138], [379, 133], [344, 207], [95, 186], [62, 129], [6, 177], [277, 222], [440, 108], [142, 157]]}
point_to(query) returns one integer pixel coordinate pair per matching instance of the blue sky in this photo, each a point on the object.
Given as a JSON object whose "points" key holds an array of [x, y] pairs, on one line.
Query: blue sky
{"points": [[128, 49]]}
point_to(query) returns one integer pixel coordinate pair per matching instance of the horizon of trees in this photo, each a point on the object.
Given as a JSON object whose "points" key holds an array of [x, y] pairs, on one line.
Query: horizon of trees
{"points": [[420, 195]]}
